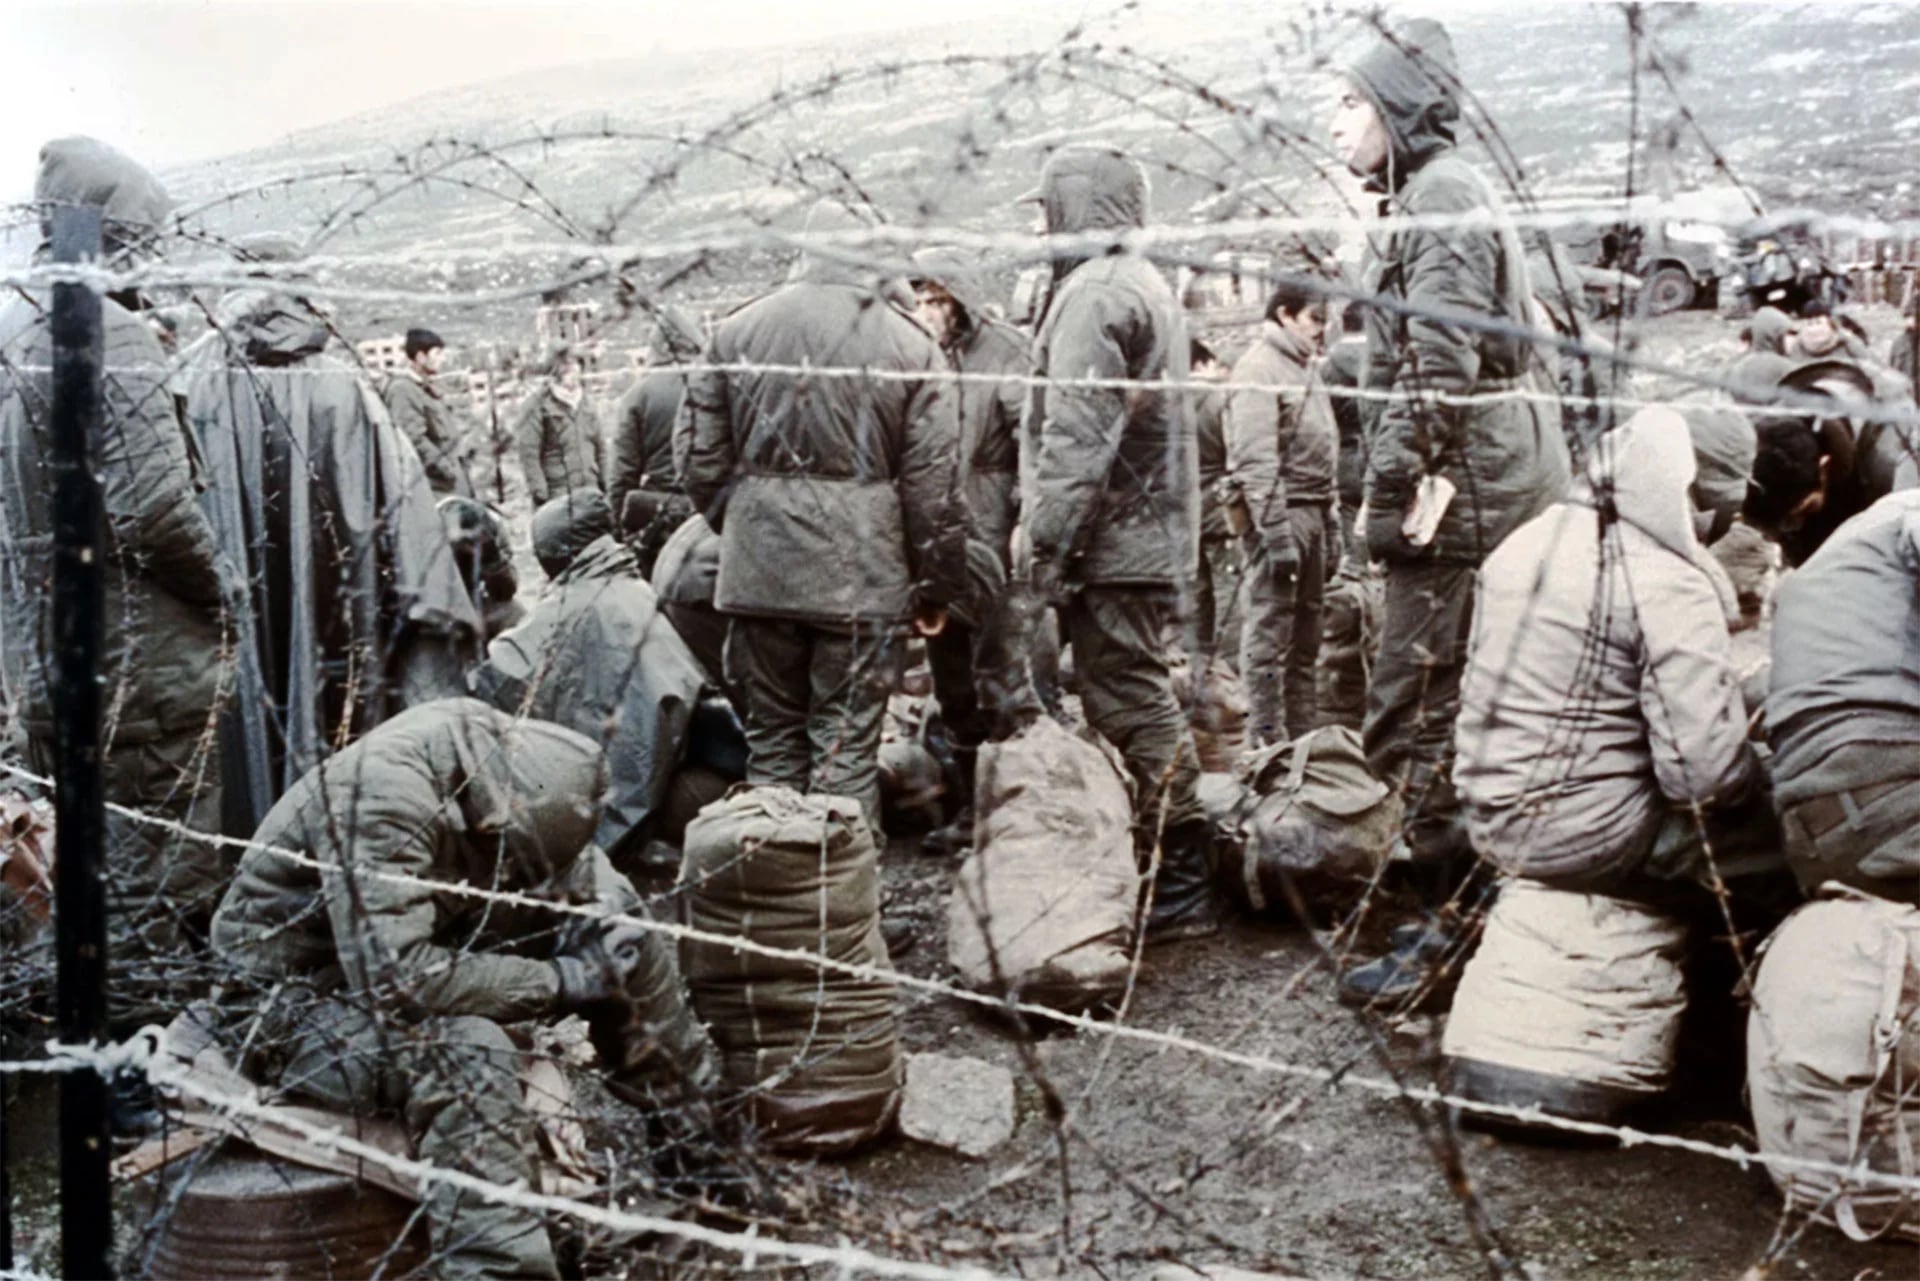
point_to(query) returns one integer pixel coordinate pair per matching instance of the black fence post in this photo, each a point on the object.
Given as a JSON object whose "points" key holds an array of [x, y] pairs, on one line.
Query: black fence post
{"points": [[80, 900]]}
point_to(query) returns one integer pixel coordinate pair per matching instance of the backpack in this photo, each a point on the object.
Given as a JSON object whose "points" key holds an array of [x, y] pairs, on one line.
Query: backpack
{"points": [[1312, 811], [1833, 1056]]}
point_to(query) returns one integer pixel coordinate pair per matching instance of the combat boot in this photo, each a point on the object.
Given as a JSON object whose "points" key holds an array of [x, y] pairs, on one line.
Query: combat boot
{"points": [[1185, 903]]}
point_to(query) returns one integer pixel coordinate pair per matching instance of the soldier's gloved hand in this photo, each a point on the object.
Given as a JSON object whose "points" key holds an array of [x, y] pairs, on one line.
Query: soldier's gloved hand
{"points": [[586, 985], [1048, 581], [1336, 553]]}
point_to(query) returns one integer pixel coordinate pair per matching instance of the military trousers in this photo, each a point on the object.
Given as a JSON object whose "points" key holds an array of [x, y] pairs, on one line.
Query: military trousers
{"points": [[454, 1083], [1216, 600], [1280, 638], [816, 699], [984, 674], [1120, 660], [1413, 700]]}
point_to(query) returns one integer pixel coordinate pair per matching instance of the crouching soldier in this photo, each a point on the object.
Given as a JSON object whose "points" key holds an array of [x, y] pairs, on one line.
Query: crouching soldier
{"points": [[363, 979], [1602, 742], [596, 655], [1843, 711], [1603, 762]]}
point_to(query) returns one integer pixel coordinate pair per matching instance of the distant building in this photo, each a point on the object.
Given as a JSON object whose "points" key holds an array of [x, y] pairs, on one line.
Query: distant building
{"points": [[383, 355]]}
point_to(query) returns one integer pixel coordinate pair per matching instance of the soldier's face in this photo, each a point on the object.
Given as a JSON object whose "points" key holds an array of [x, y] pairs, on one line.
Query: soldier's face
{"points": [[1309, 325], [430, 360], [1359, 134], [936, 311]]}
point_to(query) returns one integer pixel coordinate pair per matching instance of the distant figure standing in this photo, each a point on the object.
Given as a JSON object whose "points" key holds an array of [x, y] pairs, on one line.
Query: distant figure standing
{"points": [[1283, 446], [424, 417], [643, 484], [559, 441]]}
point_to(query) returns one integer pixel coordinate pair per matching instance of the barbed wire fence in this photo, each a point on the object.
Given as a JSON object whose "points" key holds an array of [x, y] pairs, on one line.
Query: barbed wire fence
{"points": [[1239, 152]]}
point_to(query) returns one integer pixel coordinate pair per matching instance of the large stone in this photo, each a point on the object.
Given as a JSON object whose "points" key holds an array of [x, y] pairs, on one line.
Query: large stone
{"points": [[961, 1104]]}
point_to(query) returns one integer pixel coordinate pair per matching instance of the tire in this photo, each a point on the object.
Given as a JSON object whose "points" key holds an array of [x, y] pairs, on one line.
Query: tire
{"points": [[1667, 290]]}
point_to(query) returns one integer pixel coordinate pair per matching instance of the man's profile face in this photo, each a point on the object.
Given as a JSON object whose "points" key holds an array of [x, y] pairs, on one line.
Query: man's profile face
{"points": [[1359, 134], [430, 360], [935, 310], [1308, 325]]}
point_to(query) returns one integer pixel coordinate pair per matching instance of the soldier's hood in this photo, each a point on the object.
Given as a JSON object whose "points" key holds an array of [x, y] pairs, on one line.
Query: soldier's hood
{"points": [[1643, 470], [604, 557], [566, 525], [1412, 80], [1093, 188], [839, 263], [956, 273], [679, 333], [1768, 330], [534, 786], [1724, 446], [272, 327], [86, 172]]}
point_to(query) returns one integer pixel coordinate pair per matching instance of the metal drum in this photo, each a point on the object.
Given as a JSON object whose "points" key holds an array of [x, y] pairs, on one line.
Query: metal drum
{"points": [[249, 1215]]}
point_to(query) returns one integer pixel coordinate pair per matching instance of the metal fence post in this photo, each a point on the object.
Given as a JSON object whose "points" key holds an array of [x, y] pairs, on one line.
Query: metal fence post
{"points": [[80, 901]]}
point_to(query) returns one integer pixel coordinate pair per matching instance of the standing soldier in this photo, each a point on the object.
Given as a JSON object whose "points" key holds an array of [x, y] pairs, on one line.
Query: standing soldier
{"points": [[978, 679], [1446, 481], [354, 605], [831, 496], [559, 441], [161, 676], [1111, 507], [1216, 589], [1283, 446], [424, 417], [649, 501]]}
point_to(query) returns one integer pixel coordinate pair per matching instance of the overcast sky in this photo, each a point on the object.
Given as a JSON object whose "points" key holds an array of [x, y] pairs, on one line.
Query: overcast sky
{"points": [[170, 81]]}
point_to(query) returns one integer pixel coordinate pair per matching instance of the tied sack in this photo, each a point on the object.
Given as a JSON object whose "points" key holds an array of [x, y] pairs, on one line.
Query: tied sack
{"points": [[815, 1049], [1043, 909], [1585, 990], [1310, 811], [1833, 1060]]}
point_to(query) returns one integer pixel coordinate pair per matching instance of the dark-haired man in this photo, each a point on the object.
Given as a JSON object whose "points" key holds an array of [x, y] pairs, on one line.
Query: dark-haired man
{"points": [[1283, 446], [1812, 473], [424, 417]]}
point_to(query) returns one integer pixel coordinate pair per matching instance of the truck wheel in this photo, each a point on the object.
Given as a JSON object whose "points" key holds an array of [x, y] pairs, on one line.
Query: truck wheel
{"points": [[1668, 289]]}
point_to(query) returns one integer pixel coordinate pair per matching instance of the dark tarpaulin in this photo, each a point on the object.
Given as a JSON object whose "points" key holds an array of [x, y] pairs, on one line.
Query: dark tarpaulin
{"points": [[355, 607], [597, 656]]}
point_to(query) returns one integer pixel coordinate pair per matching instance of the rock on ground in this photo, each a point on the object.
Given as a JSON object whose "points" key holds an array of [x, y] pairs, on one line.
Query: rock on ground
{"points": [[958, 1103]]}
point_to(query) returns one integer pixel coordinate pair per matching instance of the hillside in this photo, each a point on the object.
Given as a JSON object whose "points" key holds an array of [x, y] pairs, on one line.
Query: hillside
{"points": [[500, 184]]}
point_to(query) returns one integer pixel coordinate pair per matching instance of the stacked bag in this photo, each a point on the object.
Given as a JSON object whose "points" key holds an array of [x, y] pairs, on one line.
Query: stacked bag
{"points": [[1833, 1059], [1043, 909], [816, 1050], [1572, 1004]]}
